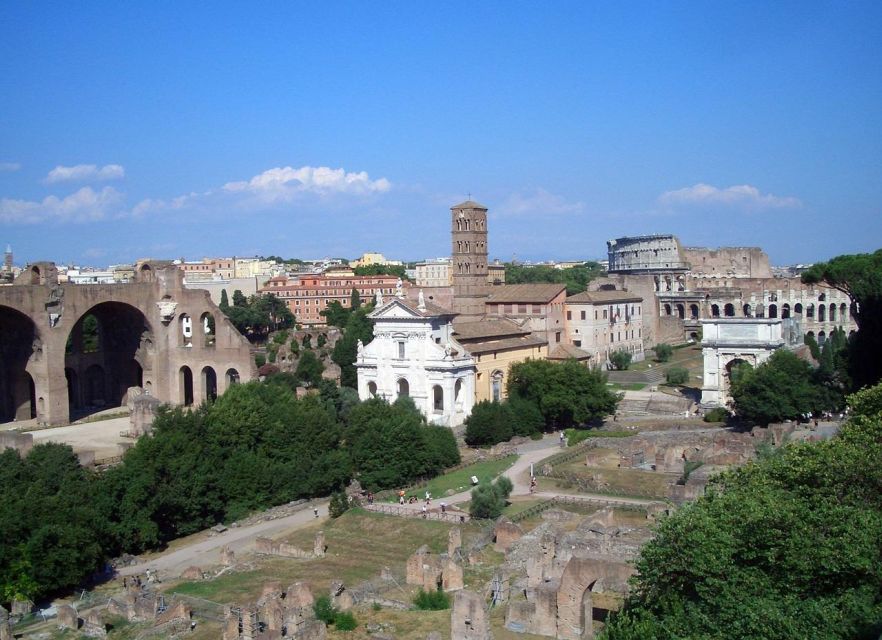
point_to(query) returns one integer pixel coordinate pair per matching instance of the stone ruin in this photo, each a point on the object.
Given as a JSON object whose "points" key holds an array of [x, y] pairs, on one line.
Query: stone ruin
{"points": [[5, 625], [277, 614], [144, 408], [469, 619], [21, 442], [430, 571], [505, 534], [227, 556], [271, 547], [557, 583]]}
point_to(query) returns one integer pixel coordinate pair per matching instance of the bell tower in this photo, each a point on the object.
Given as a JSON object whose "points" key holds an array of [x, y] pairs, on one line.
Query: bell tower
{"points": [[469, 260]]}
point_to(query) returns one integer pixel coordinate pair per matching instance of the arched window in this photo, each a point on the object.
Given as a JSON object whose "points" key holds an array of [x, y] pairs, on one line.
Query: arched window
{"points": [[403, 388], [693, 311], [715, 310], [186, 386], [208, 329], [797, 309], [773, 311], [681, 311], [232, 377], [843, 312], [209, 384], [457, 388], [496, 386], [438, 399], [186, 330], [822, 314], [810, 312], [667, 309], [372, 389], [785, 310], [729, 310], [747, 311], [822, 338], [832, 312]]}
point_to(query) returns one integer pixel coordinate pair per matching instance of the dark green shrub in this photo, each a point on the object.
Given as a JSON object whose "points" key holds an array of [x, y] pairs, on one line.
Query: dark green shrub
{"points": [[663, 352], [677, 375], [716, 415], [324, 610], [345, 621], [620, 360], [431, 600], [259, 359], [339, 504]]}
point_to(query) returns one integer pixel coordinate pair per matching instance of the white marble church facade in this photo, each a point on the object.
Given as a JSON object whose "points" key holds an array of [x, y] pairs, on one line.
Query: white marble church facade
{"points": [[414, 354]]}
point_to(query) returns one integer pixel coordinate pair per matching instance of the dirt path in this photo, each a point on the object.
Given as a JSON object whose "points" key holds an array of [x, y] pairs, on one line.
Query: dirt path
{"points": [[207, 552]]}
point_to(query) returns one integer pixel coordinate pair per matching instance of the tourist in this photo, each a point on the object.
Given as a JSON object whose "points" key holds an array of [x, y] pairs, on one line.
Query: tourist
{"points": [[315, 511]]}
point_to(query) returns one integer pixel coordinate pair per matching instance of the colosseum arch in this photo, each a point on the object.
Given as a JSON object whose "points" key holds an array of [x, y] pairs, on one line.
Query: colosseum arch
{"points": [[19, 347], [104, 356]]}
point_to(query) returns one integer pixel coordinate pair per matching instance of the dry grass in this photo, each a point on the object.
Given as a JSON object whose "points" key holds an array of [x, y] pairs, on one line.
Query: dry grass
{"points": [[359, 545]]}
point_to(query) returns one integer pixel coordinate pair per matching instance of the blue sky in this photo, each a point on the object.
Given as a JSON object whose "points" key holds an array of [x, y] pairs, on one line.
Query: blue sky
{"points": [[170, 129]]}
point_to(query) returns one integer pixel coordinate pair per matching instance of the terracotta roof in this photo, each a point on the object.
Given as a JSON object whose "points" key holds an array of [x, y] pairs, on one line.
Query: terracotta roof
{"points": [[506, 344], [605, 296], [469, 204], [528, 293], [495, 328], [567, 351]]}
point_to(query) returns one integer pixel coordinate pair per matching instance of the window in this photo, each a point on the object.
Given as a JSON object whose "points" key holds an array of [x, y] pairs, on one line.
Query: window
{"points": [[537, 308], [557, 337], [522, 308], [570, 315], [577, 343], [401, 349]]}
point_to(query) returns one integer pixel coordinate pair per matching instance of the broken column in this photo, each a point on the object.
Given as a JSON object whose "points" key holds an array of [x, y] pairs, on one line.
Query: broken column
{"points": [[318, 547], [227, 556], [454, 540], [452, 573], [468, 618]]}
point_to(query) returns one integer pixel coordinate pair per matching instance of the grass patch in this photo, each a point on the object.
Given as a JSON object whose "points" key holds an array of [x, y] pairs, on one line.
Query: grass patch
{"points": [[359, 543], [460, 480], [631, 386], [633, 483]]}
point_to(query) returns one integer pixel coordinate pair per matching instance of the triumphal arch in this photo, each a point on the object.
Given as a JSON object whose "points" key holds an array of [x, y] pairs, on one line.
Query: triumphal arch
{"points": [[728, 342], [67, 350]]}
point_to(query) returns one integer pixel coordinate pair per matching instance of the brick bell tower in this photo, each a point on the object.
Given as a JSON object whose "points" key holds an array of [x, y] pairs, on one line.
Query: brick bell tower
{"points": [[469, 260]]}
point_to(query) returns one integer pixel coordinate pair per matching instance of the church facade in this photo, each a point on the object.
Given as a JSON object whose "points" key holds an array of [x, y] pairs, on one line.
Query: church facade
{"points": [[415, 354]]}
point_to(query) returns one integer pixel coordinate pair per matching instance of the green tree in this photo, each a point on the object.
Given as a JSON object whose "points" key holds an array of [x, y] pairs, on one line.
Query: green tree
{"points": [[489, 423], [566, 393], [575, 278], [489, 500], [224, 305], [736, 559], [677, 375], [812, 344], [239, 299], [620, 360], [779, 389], [663, 352], [354, 300], [309, 369], [339, 504], [859, 276]]}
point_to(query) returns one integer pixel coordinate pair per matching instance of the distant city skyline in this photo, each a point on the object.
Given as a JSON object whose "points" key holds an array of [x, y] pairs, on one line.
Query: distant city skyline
{"points": [[168, 130]]}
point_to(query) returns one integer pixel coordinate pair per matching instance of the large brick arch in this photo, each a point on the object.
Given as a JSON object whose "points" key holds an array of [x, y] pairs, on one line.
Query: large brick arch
{"points": [[148, 310]]}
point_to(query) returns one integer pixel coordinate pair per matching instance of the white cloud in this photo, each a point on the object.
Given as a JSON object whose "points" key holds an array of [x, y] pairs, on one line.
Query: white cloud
{"points": [[538, 202], [84, 205], [284, 183], [742, 196], [85, 173], [9, 166]]}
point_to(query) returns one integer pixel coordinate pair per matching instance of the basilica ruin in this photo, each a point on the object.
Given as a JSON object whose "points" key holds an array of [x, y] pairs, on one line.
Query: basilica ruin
{"points": [[69, 350]]}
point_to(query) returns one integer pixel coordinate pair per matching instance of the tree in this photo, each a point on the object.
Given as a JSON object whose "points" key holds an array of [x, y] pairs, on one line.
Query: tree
{"points": [[224, 305], [489, 500], [859, 276], [566, 393], [779, 389], [309, 369], [575, 278], [354, 300], [736, 560], [620, 360], [663, 352], [677, 375], [489, 423], [239, 299]]}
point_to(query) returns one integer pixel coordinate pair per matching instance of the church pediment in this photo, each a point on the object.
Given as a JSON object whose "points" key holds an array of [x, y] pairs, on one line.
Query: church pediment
{"points": [[395, 308]]}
